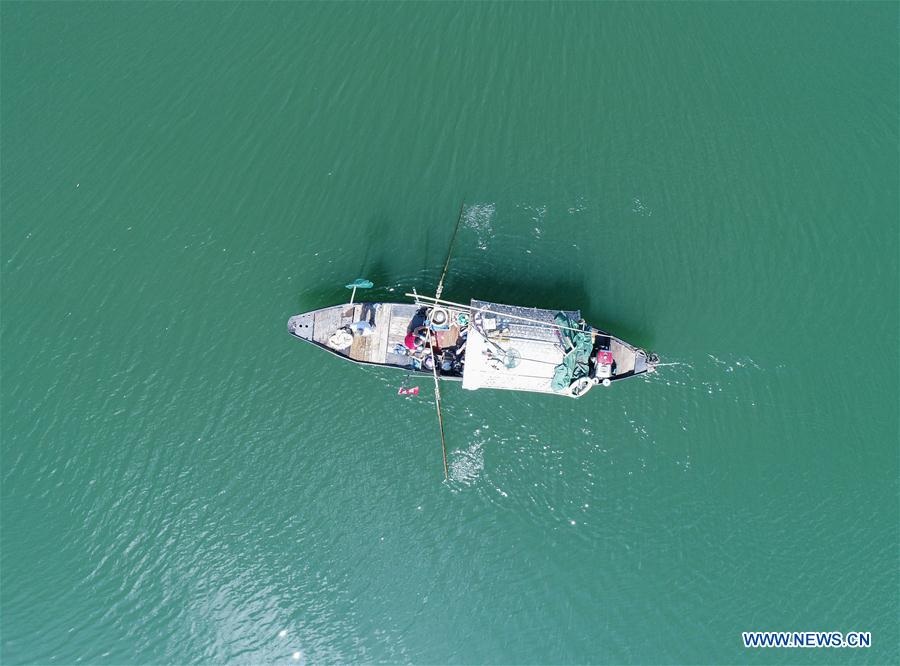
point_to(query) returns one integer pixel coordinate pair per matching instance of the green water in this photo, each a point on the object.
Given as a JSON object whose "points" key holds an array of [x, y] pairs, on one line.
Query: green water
{"points": [[182, 481]]}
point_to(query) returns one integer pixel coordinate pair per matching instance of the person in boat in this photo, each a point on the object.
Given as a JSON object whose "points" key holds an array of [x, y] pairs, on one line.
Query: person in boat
{"points": [[416, 339], [368, 312], [362, 328]]}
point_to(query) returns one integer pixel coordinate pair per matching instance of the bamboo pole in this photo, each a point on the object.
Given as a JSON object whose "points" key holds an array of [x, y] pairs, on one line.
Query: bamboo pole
{"points": [[437, 402], [440, 287]]}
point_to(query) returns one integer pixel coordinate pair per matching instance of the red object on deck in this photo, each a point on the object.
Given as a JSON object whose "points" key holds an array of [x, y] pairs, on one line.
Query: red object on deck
{"points": [[408, 391], [604, 358], [409, 341]]}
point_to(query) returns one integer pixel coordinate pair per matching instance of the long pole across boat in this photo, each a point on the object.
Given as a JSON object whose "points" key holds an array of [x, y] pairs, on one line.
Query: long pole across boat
{"points": [[437, 401], [434, 366], [440, 287], [441, 301]]}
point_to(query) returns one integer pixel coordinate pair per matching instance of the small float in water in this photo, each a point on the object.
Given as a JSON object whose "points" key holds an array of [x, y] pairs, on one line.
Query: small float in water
{"points": [[480, 344]]}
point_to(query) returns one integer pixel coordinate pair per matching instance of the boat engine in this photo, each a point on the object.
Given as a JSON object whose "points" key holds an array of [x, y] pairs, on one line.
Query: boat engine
{"points": [[603, 364]]}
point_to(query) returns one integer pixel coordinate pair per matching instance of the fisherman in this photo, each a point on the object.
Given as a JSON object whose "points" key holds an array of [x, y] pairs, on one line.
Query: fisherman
{"points": [[362, 328], [415, 340], [368, 312]]}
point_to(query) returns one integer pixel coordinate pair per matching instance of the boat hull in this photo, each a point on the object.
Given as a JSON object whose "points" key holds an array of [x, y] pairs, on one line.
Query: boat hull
{"points": [[384, 346], [521, 354]]}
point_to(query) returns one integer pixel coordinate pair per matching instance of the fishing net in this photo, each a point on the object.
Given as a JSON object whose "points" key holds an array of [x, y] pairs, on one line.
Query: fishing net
{"points": [[576, 338]]}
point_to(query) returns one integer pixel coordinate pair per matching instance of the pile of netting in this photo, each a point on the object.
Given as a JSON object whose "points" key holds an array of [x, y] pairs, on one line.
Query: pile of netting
{"points": [[578, 345]]}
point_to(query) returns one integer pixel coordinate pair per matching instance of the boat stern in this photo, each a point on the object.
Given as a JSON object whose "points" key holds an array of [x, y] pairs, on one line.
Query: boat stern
{"points": [[644, 361], [640, 361]]}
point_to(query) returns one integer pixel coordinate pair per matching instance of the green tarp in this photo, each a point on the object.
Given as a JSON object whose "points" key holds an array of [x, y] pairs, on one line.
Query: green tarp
{"points": [[578, 346]]}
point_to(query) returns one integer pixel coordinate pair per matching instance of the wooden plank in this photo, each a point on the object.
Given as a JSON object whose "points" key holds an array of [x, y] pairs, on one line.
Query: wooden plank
{"points": [[359, 349], [447, 338], [397, 329], [371, 348], [623, 355], [382, 330], [401, 318], [350, 314], [326, 323]]}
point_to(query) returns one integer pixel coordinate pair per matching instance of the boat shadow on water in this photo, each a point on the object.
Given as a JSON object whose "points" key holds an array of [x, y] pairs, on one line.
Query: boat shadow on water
{"points": [[524, 290]]}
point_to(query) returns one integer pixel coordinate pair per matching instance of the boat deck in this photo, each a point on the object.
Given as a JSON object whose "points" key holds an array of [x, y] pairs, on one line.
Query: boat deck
{"points": [[486, 345], [507, 353], [389, 325]]}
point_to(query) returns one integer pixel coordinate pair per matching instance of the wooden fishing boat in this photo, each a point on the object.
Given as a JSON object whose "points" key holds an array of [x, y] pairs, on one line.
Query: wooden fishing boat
{"points": [[481, 344]]}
